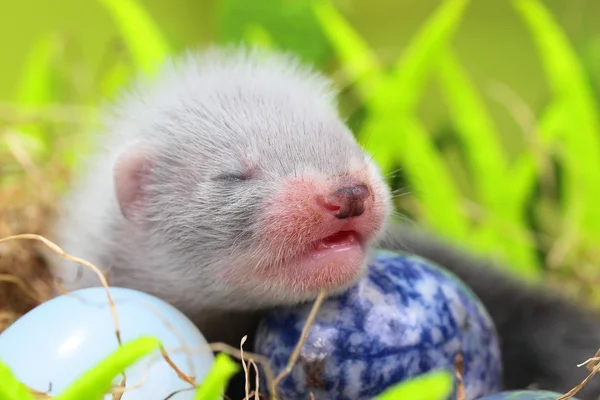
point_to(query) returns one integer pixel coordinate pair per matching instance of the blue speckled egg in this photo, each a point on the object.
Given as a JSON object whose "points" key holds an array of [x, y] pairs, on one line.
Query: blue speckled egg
{"points": [[525, 395], [406, 316]]}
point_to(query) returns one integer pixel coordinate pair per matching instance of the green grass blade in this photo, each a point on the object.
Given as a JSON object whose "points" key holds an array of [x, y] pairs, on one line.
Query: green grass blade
{"points": [[115, 77], [393, 136], [522, 258], [436, 385], [563, 69], [213, 386], [36, 87], [489, 169], [430, 180], [143, 37], [523, 178], [554, 122], [291, 25], [580, 138], [592, 63], [258, 36], [10, 387], [360, 63], [399, 96], [483, 150], [96, 382], [414, 67]]}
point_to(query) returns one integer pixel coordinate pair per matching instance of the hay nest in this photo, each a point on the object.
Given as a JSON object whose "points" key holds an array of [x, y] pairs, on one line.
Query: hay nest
{"points": [[25, 280]]}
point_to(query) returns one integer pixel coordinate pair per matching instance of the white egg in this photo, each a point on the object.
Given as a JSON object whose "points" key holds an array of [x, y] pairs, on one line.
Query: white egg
{"points": [[56, 342]]}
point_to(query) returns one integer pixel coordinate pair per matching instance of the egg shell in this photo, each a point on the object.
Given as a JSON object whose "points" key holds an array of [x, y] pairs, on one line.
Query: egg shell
{"points": [[524, 395], [60, 339], [406, 316]]}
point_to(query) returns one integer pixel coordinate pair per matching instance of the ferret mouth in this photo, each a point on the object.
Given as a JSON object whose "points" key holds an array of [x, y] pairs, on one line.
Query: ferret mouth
{"points": [[338, 242], [329, 263]]}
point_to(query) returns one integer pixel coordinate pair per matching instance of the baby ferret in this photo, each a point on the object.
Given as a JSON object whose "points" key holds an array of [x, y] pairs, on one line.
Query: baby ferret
{"points": [[229, 184]]}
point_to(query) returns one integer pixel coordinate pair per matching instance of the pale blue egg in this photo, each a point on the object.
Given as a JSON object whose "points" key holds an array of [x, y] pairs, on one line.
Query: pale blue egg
{"points": [[59, 340], [406, 317]]}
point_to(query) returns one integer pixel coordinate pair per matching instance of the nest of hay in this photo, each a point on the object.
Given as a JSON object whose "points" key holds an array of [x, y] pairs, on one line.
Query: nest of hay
{"points": [[25, 280]]}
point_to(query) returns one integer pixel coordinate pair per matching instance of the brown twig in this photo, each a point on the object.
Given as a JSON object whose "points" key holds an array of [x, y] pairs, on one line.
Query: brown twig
{"points": [[303, 337], [117, 393], [175, 393], [180, 374], [580, 386], [245, 367], [256, 380], [232, 351], [459, 370], [592, 362]]}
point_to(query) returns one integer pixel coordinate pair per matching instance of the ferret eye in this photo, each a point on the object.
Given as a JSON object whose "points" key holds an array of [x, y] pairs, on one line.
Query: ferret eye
{"points": [[231, 177]]}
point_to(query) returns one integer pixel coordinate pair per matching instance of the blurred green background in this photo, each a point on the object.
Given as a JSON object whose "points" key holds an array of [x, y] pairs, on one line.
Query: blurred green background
{"points": [[490, 106]]}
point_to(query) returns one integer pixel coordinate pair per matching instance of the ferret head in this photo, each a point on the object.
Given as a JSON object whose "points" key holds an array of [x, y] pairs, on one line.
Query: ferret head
{"points": [[243, 173]]}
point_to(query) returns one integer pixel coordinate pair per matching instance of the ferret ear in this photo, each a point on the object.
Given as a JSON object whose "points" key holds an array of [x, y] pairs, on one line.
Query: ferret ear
{"points": [[130, 175]]}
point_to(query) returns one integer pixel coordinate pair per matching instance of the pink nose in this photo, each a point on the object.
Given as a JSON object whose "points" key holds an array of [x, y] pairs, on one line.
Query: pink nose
{"points": [[347, 202]]}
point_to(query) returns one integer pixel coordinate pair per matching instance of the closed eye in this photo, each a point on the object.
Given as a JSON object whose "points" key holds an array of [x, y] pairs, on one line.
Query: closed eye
{"points": [[232, 177], [246, 172]]}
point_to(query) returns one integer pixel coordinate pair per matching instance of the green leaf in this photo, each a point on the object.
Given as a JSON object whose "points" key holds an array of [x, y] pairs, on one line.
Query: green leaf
{"points": [[114, 79], [436, 385], [430, 179], [523, 174], [213, 386], [36, 87], [258, 36], [359, 62], [489, 169], [483, 150], [393, 135], [289, 23], [580, 137], [11, 388], [96, 382], [143, 37], [36, 80], [420, 57], [398, 97], [592, 63]]}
